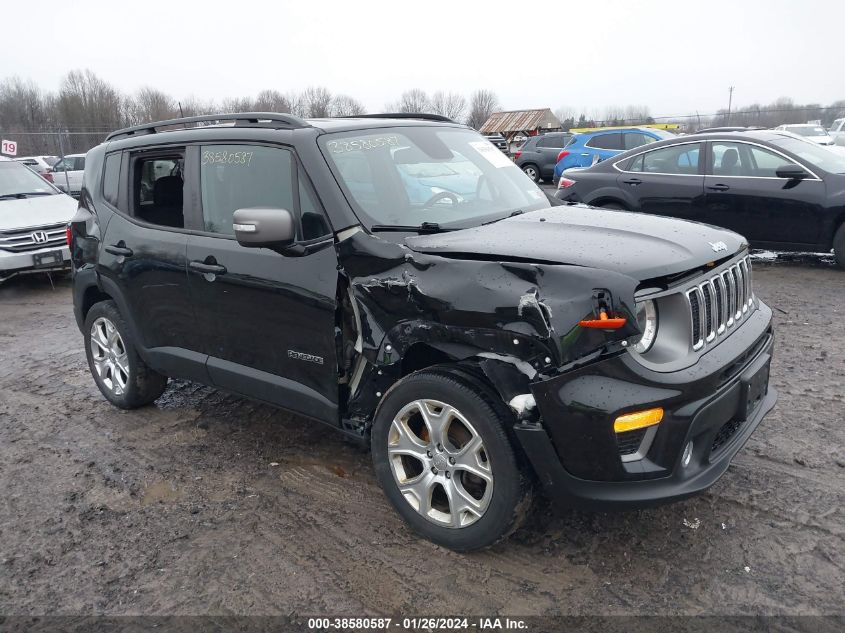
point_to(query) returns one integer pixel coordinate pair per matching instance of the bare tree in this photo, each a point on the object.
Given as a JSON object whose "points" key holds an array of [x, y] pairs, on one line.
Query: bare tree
{"points": [[194, 107], [89, 107], [344, 105], [414, 100], [482, 104], [271, 101], [238, 104], [317, 102], [23, 108], [150, 104], [449, 104]]}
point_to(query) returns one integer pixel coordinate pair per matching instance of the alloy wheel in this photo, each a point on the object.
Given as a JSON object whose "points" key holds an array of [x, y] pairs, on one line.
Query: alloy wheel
{"points": [[109, 356], [440, 464]]}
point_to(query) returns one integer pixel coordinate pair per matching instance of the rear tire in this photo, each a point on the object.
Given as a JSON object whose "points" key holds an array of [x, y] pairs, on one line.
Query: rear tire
{"points": [[122, 377], [532, 171], [839, 246], [444, 460]]}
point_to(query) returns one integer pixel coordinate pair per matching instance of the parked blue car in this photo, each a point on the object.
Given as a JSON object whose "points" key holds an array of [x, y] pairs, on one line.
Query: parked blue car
{"points": [[589, 148]]}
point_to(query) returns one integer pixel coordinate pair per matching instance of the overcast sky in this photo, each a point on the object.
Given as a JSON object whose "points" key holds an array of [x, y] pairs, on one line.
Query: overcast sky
{"points": [[674, 57]]}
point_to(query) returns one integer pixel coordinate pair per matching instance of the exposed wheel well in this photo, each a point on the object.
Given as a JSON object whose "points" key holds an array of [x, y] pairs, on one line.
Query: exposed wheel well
{"points": [[92, 295], [420, 356], [604, 202]]}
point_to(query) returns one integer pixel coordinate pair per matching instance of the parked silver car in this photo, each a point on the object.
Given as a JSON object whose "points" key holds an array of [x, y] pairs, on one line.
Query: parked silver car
{"points": [[33, 222]]}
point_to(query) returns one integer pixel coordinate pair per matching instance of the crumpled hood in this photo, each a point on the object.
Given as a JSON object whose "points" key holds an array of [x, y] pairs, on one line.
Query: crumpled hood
{"points": [[635, 244], [21, 213]]}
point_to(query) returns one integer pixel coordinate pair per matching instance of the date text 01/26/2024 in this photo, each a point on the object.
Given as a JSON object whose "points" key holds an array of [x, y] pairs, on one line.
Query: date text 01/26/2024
{"points": [[415, 624]]}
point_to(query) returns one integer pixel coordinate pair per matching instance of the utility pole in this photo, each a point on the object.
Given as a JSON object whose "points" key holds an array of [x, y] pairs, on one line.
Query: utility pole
{"points": [[730, 101]]}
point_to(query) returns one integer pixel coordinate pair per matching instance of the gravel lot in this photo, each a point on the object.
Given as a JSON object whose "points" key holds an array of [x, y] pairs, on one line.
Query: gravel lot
{"points": [[210, 504]]}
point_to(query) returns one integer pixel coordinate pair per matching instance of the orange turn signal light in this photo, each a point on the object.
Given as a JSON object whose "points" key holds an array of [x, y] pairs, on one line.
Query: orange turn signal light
{"points": [[603, 322], [638, 420]]}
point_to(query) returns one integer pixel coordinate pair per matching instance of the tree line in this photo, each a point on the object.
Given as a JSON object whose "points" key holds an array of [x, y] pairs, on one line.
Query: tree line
{"points": [[86, 108]]}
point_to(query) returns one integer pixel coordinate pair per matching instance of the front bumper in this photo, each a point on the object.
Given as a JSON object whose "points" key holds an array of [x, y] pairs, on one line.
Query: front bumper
{"points": [[12, 264], [575, 452]]}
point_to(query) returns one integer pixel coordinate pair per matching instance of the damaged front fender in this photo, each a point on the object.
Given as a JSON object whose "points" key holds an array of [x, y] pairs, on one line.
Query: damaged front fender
{"points": [[525, 315]]}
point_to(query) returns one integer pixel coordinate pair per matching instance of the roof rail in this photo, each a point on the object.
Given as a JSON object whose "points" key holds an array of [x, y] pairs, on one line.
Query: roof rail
{"points": [[403, 115], [241, 119]]}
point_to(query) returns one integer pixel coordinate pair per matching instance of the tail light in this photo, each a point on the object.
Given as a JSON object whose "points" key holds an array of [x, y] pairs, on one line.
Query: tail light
{"points": [[47, 176], [563, 154], [68, 235], [565, 183], [517, 155]]}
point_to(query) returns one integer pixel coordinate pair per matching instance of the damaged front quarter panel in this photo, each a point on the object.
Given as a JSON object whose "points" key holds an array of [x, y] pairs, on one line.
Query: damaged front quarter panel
{"points": [[518, 320]]}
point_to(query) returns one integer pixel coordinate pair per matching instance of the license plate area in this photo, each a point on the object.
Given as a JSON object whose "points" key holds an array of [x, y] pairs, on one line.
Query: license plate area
{"points": [[47, 260], [755, 386]]}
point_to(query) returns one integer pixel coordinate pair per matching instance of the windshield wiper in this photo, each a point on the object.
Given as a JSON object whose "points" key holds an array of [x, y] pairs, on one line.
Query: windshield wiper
{"points": [[425, 227], [513, 214], [22, 195]]}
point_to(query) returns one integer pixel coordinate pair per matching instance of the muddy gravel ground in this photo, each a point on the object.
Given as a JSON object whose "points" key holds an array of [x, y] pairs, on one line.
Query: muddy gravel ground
{"points": [[206, 503]]}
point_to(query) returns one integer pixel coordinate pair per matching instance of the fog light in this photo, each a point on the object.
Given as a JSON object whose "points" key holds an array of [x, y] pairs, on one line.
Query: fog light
{"points": [[638, 420], [687, 456]]}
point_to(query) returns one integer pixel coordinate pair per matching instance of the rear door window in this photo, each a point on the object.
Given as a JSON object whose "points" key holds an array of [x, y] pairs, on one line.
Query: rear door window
{"points": [[674, 160], [158, 189], [606, 141]]}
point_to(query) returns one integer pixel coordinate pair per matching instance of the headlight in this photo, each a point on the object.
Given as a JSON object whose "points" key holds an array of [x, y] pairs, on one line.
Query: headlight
{"points": [[647, 321]]}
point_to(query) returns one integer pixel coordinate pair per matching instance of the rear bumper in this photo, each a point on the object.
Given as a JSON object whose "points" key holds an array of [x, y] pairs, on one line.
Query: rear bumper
{"points": [[577, 456], [18, 263]]}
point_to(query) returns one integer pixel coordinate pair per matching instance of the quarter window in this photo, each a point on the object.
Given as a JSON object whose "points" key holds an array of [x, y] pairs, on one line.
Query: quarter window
{"points": [[675, 159], [111, 178]]}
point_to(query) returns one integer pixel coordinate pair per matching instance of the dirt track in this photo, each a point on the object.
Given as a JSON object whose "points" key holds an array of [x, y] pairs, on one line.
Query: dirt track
{"points": [[178, 508]]}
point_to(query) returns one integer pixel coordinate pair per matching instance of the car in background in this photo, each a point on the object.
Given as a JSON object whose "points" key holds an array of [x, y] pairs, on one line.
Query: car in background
{"points": [[33, 222], [814, 133], [41, 165], [67, 173], [538, 155], [499, 141], [589, 148], [837, 132], [779, 190]]}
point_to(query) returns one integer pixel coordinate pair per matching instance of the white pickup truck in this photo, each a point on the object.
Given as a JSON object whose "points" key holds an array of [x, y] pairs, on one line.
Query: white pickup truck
{"points": [[837, 132], [72, 166]]}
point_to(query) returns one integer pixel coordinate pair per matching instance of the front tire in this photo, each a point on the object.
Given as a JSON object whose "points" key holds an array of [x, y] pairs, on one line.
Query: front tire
{"points": [[444, 460], [839, 246], [122, 377]]}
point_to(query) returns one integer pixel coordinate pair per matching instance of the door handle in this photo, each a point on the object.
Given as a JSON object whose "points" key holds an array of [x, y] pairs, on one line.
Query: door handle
{"points": [[719, 187], [633, 181], [202, 267], [119, 249]]}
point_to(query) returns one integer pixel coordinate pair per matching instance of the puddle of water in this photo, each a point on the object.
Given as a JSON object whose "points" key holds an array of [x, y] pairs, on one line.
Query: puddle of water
{"points": [[160, 492]]}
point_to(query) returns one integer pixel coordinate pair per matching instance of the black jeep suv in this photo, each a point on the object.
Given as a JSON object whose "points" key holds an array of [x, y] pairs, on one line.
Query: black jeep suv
{"points": [[403, 281]]}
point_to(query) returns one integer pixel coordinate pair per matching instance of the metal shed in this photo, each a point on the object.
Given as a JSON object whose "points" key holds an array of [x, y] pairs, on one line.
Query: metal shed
{"points": [[524, 122]]}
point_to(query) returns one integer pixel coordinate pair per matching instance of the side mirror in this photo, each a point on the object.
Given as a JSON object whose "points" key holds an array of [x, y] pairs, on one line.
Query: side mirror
{"points": [[264, 226], [791, 172]]}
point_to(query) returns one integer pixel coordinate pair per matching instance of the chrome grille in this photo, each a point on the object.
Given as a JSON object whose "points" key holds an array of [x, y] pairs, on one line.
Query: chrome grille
{"points": [[719, 302], [33, 238]]}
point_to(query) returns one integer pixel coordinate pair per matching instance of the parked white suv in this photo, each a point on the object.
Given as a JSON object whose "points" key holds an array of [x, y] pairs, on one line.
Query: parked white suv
{"points": [[67, 173], [811, 132], [33, 222], [42, 165]]}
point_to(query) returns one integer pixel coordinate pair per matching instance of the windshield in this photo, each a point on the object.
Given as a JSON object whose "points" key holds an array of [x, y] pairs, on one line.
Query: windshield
{"points": [[16, 180], [406, 176], [806, 130], [826, 158]]}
